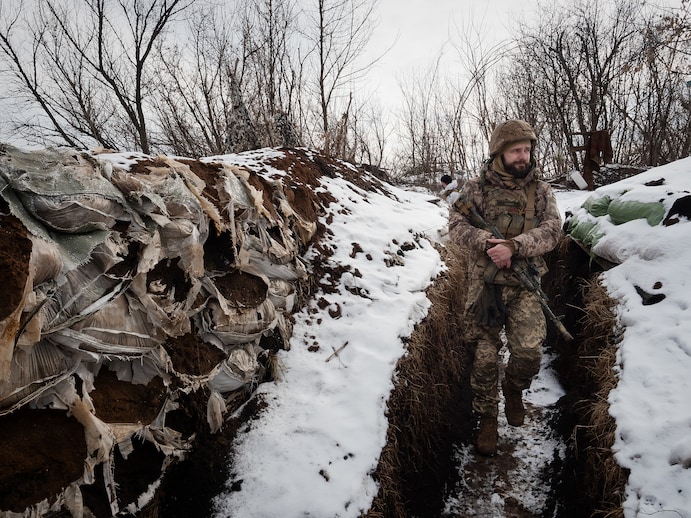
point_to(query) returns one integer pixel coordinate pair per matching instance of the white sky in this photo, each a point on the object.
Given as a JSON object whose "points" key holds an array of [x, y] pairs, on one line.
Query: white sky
{"points": [[313, 451], [416, 31]]}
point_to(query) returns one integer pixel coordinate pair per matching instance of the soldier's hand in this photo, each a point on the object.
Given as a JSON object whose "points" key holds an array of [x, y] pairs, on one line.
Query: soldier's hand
{"points": [[500, 252]]}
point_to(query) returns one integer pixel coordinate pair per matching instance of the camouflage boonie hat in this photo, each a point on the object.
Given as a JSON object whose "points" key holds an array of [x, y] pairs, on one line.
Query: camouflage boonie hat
{"points": [[509, 132]]}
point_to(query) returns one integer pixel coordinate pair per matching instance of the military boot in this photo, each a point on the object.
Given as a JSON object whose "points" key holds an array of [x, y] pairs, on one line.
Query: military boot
{"points": [[487, 436], [513, 405]]}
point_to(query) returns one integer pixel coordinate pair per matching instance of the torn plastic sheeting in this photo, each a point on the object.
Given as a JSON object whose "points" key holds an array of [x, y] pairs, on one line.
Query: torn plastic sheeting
{"points": [[34, 371], [305, 229], [282, 294], [58, 314], [293, 271], [119, 326], [76, 214], [181, 238], [235, 326], [237, 371], [261, 241], [75, 249], [116, 296], [144, 369], [215, 410], [160, 192], [255, 198], [65, 197], [163, 309], [234, 187]]}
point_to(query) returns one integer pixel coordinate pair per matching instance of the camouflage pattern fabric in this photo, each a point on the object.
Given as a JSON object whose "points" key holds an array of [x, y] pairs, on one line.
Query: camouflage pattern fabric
{"points": [[525, 332], [536, 242], [525, 324]]}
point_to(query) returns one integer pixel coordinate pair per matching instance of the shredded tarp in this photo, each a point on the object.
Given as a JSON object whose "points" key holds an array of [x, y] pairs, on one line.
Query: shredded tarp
{"points": [[126, 257]]}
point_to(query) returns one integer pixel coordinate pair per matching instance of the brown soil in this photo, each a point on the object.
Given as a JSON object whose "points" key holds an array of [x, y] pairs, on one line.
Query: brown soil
{"points": [[15, 252], [242, 289], [191, 355], [41, 452], [118, 401]]}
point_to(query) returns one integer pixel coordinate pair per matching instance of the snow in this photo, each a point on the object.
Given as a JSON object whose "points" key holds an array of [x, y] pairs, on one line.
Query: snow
{"points": [[312, 453]]}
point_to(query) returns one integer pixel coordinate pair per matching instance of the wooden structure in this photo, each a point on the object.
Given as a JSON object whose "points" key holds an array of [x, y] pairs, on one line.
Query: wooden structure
{"points": [[598, 151]]}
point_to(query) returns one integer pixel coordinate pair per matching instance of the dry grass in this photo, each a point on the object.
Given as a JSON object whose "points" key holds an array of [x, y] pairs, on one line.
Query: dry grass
{"points": [[593, 481], [604, 479], [427, 407]]}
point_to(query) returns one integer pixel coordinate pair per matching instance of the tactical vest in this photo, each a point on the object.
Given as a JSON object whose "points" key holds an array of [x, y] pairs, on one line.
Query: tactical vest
{"points": [[507, 209], [512, 212]]}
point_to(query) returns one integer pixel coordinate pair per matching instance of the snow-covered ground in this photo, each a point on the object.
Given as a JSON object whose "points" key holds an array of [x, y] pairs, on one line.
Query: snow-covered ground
{"points": [[651, 401], [313, 452]]}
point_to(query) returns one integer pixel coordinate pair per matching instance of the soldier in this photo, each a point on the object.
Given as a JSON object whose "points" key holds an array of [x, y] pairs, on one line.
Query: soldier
{"points": [[448, 185], [509, 195]]}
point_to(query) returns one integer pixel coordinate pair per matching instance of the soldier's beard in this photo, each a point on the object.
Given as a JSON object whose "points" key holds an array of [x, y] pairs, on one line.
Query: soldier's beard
{"points": [[518, 169]]}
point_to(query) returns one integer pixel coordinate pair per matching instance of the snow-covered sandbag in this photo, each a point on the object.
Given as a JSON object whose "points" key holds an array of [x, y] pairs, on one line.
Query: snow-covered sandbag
{"points": [[622, 211], [597, 205]]}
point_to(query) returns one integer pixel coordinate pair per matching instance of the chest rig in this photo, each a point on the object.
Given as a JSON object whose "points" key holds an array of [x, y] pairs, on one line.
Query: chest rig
{"points": [[512, 212]]}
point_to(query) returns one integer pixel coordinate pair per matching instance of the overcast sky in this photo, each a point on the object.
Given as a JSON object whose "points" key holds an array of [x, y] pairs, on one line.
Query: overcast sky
{"points": [[416, 31]]}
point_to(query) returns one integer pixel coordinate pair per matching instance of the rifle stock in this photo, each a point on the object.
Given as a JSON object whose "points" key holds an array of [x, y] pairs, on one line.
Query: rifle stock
{"points": [[519, 267]]}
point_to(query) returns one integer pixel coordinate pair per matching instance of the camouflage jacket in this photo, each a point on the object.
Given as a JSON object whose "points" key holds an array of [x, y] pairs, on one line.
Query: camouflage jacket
{"points": [[498, 204]]}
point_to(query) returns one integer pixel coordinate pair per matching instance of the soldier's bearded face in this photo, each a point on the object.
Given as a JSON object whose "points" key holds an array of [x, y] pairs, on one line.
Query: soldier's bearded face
{"points": [[517, 159]]}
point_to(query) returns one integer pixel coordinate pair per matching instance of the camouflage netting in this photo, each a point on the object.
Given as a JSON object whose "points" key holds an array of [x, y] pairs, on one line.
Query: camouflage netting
{"points": [[129, 283]]}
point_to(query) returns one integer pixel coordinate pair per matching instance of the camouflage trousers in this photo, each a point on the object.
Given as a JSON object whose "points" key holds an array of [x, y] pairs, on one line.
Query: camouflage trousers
{"points": [[525, 329]]}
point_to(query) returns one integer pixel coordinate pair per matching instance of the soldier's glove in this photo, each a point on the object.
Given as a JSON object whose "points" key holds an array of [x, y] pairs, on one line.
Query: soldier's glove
{"points": [[489, 309]]}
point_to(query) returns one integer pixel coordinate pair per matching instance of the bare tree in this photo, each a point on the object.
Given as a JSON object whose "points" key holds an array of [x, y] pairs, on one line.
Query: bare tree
{"points": [[338, 32], [566, 69], [448, 117], [470, 114], [192, 96], [234, 84], [419, 139], [614, 67], [272, 72], [88, 69], [371, 132], [655, 107]]}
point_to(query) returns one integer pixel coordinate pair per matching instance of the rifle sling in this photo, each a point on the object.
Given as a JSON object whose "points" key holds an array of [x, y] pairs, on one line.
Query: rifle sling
{"points": [[530, 207]]}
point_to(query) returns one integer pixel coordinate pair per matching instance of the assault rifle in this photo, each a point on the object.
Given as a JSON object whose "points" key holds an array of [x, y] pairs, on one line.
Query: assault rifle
{"points": [[525, 273]]}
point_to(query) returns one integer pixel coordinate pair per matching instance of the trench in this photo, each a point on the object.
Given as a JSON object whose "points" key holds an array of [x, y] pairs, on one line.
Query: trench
{"points": [[430, 415]]}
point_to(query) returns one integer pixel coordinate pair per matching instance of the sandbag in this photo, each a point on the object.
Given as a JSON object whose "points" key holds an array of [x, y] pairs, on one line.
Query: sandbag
{"points": [[597, 206], [622, 211]]}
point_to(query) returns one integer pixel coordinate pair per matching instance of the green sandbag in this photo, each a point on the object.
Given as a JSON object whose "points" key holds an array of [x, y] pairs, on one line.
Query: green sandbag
{"points": [[597, 206], [587, 232], [623, 211]]}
